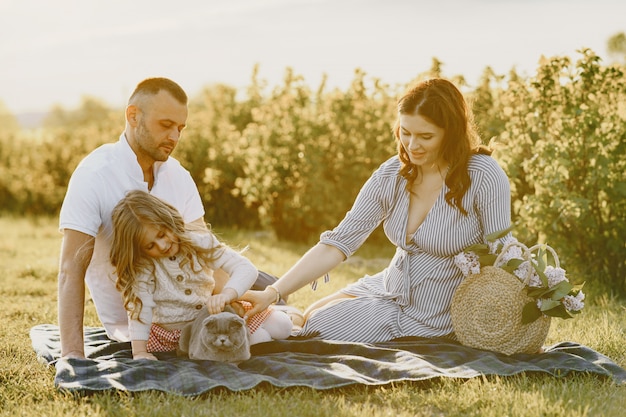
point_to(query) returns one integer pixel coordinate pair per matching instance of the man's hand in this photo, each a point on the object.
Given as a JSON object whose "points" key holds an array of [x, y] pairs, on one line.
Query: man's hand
{"points": [[239, 308]]}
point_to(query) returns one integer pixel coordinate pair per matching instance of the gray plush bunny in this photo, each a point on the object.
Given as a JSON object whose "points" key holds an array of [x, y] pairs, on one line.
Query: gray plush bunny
{"points": [[222, 337]]}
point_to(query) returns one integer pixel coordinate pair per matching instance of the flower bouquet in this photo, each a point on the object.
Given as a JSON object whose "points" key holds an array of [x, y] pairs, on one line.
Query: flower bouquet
{"points": [[510, 294]]}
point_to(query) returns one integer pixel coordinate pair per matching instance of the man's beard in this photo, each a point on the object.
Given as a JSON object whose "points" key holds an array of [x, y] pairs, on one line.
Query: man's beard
{"points": [[144, 136]]}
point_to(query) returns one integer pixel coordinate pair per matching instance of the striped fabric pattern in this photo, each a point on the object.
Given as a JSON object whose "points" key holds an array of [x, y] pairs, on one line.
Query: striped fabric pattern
{"points": [[411, 297]]}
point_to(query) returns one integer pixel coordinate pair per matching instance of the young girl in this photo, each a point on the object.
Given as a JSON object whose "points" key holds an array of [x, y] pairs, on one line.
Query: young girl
{"points": [[165, 274]]}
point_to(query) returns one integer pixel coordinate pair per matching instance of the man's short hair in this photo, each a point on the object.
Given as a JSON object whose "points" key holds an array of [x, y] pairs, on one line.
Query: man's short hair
{"points": [[152, 86]]}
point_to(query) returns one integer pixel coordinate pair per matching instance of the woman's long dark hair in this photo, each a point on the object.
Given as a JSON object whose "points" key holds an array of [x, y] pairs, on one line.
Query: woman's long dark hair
{"points": [[439, 101]]}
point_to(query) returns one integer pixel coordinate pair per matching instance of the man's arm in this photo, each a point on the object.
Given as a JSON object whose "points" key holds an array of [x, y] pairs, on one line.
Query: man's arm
{"points": [[76, 252], [198, 225]]}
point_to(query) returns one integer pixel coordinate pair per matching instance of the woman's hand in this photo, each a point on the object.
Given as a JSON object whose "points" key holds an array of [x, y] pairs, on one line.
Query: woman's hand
{"points": [[319, 260], [238, 308], [260, 300], [216, 303]]}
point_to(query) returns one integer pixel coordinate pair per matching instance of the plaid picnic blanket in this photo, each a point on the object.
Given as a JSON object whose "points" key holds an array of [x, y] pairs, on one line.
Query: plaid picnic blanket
{"points": [[315, 363]]}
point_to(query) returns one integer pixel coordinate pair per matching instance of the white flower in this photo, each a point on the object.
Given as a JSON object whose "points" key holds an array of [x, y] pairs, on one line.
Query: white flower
{"points": [[468, 263], [508, 240], [512, 252], [535, 280], [574, 303], [462, 263], [555, 275], [522, 272], [494, 246]]}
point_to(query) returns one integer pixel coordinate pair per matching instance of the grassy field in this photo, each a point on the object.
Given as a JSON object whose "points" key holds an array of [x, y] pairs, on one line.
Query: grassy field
{"points": [[30, 251]]}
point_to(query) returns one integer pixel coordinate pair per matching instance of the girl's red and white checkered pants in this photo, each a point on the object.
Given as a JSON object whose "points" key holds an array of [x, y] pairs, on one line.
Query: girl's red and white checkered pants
{"points": [[161, 340]]}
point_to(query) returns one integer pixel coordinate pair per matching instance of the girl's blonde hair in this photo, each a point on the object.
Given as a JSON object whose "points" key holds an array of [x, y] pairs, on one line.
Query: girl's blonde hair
{"points": [[130, 216]]}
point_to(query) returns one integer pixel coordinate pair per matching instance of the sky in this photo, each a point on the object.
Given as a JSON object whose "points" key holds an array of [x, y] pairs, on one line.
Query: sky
{"points": [[55, 52]]}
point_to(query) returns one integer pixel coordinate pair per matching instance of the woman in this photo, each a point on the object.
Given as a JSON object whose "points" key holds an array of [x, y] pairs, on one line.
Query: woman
{"points": [[439, 195]]}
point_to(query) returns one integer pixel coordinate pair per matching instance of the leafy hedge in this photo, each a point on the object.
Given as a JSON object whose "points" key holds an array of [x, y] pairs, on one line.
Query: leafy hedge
{"points": [[564, 145], [292, 159]]}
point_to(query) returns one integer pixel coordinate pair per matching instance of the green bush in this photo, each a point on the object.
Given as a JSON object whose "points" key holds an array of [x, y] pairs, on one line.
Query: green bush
{"points": [[293, 159], [564, 147], [36, 165], [213, 151], [309, 153]]}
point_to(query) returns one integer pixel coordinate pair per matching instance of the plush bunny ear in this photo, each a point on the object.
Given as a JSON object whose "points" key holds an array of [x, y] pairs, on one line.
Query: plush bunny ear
{"points": [[235, 323], [209, 322]]}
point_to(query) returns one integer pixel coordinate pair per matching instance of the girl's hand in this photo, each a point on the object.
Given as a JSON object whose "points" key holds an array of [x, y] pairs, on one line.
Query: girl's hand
{"points": [[74, 354], [144, 355], [216, 303], [140, 350]]}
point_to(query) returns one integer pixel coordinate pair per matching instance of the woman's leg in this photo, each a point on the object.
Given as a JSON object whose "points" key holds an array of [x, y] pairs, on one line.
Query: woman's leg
{"points": [[325, 302], [354, 319]]}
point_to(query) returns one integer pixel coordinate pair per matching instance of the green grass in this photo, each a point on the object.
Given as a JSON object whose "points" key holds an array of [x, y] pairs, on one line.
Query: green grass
{"points": [[30, 251]]}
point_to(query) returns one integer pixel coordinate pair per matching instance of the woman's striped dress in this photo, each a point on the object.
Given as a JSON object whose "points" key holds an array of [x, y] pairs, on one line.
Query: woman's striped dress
{"points": [[411, 297]]}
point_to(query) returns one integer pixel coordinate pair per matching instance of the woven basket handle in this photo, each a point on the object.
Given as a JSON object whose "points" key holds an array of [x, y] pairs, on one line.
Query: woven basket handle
{"points": [[549, 249], [527, 255]]}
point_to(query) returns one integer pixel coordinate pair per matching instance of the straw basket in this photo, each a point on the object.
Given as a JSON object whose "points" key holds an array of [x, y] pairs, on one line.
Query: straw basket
{"points": [[486, 311]]}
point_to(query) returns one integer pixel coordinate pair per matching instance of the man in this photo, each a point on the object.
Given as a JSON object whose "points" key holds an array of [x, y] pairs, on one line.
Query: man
{"points": [[155, 117]]}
